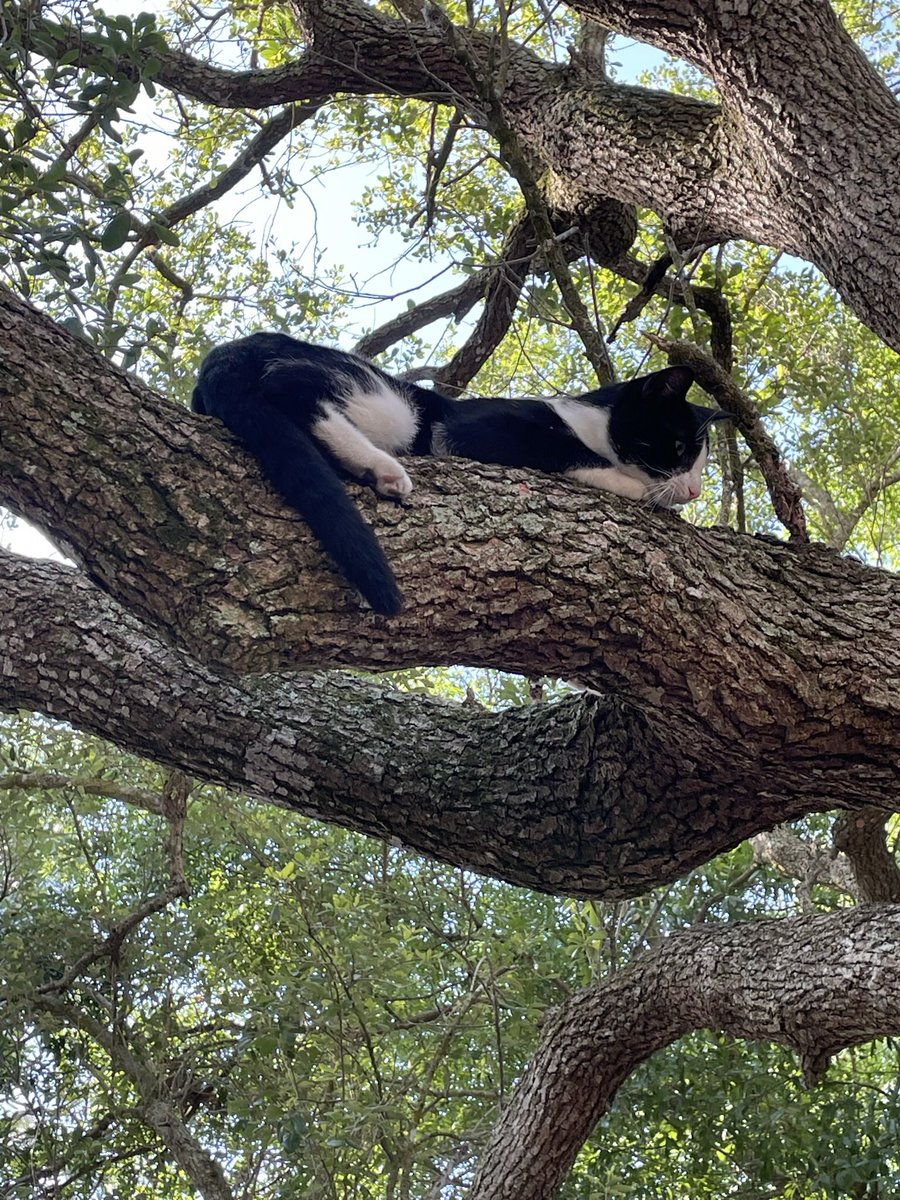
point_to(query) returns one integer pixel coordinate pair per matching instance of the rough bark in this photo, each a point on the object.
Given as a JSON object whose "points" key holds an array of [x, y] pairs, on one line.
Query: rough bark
{"points": [[585, 797], [747, 681], [862, 837], [812, 132], [814, 984], [801, 154]]}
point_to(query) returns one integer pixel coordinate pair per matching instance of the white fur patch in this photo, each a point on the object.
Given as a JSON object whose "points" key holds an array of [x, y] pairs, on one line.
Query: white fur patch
{"points": [[610, 479], [589, 423], [359, 456], [382, 414]]}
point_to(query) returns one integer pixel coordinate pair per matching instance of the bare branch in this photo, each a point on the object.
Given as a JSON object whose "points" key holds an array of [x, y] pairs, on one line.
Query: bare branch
{"points": [[501, 296], [456, 302], [783, 491], [91, 786]]}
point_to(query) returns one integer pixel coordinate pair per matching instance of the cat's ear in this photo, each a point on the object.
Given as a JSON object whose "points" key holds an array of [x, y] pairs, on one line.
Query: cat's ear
{"points": [[708, 416], [671, 383]]}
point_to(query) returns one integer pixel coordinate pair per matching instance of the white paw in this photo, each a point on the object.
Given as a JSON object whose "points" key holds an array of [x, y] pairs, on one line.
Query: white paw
{"points": [[393, 482]]}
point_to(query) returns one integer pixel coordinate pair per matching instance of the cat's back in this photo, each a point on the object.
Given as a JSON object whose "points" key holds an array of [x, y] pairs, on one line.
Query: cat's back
{"points": [[255, 353]]}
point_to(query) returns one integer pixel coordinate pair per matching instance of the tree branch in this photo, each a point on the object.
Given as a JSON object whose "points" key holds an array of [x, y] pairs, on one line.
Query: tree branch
{"points": [[503, 287], [861, 836], [815, 984], [588, 797], [795, 90], [107, 788], [686, 622], [785, 494]]}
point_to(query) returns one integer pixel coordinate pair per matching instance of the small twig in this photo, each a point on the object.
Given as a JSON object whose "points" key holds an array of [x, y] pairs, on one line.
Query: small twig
{"points": [[173, 806]]}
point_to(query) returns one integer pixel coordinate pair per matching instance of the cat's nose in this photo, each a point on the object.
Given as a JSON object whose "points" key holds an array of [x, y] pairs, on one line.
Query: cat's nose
{"points": [[693, 491]]}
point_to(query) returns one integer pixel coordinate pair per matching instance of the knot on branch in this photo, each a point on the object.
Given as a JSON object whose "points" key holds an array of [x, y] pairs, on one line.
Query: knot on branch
{"points": [[606, 228]]}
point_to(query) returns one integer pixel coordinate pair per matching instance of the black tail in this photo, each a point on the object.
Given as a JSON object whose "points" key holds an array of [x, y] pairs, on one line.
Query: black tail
{"points": [[302, 474]]}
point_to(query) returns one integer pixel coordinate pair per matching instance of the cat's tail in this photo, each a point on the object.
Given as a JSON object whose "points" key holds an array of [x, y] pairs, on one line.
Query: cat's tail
{"points": [[305, 478]]}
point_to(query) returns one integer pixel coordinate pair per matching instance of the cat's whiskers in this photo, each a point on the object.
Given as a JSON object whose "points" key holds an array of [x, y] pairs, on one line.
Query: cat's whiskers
{"points": [[664, 492]]}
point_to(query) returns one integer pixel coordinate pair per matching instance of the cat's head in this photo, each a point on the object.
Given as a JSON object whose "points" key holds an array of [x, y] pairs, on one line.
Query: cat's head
{"points": [[660, 436]]}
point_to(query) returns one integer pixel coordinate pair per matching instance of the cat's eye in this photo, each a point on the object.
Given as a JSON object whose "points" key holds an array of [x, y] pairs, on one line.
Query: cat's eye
{"points": [[680, 448]]}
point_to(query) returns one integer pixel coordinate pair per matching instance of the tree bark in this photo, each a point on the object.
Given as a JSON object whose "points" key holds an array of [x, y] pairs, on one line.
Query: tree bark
{"points": [[814, 984], [746, 681]]}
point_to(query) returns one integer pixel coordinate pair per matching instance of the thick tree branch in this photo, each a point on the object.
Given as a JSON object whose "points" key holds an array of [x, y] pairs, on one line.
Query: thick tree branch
{"points": [[802, 100], [815, 984], [739, 638], [587, 797]]}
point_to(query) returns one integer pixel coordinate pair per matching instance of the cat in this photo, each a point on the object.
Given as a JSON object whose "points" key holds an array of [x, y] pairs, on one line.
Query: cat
{"points": [[312, 415]]}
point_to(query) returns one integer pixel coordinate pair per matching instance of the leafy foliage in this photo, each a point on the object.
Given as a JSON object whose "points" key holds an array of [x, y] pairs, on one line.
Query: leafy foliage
{"points": [[330, 1016]]}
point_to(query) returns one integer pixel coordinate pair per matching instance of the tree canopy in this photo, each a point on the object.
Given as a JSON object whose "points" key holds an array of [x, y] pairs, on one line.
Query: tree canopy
{"points": [[526, 947]]}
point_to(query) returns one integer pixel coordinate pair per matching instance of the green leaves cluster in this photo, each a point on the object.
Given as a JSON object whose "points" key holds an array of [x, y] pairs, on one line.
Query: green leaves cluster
{"points": [[332, 1016]]}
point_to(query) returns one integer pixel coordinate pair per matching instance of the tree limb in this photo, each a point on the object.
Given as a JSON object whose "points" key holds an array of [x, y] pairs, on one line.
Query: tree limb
{"points": [[796, 92], [815, 984], [501, 297], [785, 494], [587, 797], [861, 836]]}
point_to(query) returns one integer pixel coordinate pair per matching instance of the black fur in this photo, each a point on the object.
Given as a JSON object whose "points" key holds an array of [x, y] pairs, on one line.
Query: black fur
{"points": [[311, 415]]}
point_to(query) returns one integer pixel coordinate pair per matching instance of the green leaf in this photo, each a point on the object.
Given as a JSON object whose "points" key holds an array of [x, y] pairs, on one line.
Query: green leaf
{"points": [[116, 232]]}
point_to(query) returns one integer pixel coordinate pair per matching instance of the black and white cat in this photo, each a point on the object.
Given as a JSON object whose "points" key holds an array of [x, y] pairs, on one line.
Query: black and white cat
{"points": [[311, 415]]}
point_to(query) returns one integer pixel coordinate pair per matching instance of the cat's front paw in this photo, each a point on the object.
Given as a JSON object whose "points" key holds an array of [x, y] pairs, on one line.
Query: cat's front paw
{"points": [[393, 483]]}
